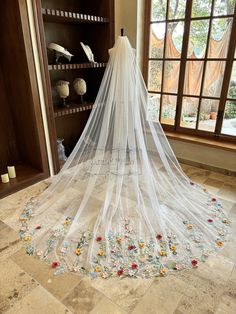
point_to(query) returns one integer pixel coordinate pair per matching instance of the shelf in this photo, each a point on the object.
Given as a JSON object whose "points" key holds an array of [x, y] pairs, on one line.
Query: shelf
{"points": [[52, 15], [74, 108], [76, 66], [25, 176]]}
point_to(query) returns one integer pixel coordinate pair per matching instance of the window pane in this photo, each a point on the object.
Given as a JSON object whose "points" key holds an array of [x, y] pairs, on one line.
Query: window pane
{"points": [[232, 85], [171, 76], [224, 7], [208, 115], [213, 78], [168, 109], [155, 76], [220, 35], [157, 34], [153, 107], [229, 122], [158, 10], [198, 38], [174, 40], [201, 8], [193, 77], [177, 9], [189, 112]]}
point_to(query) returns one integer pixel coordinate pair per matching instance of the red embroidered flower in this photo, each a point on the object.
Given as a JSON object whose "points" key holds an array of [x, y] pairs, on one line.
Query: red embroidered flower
{"points": [[38, 227], [194, 262], [134, 266], [213, 199], [99, 239], [131, 247], [159, 237], [120, 272], [210, 220], [55, 264]]}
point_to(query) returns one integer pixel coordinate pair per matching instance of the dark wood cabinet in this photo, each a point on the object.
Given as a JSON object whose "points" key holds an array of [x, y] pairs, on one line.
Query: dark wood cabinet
{"points": [[22, 140], [67, 23]]}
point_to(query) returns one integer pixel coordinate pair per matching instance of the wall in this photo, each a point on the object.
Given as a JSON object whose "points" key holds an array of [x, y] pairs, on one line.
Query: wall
{"points": [[130, 16]]}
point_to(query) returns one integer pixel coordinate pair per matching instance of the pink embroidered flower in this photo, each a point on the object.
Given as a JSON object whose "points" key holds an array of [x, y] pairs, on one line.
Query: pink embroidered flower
{"points": [[38, 227], [194, 263], [131, 247], [99, 239], [120, 272], [134, 266], [210, 220], [159, 237], [55, 264], [213, 199]]}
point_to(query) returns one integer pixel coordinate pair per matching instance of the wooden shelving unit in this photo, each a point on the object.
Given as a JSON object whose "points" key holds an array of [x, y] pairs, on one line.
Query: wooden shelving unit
{"points": [[67, 23], [22, 141]]}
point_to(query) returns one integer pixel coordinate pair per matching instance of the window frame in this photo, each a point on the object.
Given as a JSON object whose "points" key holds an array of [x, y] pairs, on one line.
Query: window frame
{"points": [[230, 58]]}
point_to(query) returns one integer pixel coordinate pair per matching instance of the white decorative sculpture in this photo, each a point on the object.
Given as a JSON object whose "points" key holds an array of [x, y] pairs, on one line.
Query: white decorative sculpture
{"points": [[59, 51], [88, 52], [80, 87], [62, 88]]}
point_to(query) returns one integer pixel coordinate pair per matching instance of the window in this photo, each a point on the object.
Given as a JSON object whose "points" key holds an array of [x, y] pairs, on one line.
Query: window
{"points": [[190, 64]]}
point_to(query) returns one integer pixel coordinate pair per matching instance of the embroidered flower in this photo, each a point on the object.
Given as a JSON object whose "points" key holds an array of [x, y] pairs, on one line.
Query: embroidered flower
{"points": [[63, 250], [213, 199], [78, 251], [67, 221], [191, 183], [101, 253], [210, 220], [104, 275], [194, 263], [27, 238], [141, 244], [98, 269], [119, 239], [225, 221], [134, 266], [162, 253], [163, 271], [38, 227], [131, 247], [173, 248], [189, 226], [159, 237], [178, 267], [99, 239], [54, 264], [219, 243], [120, 272]]}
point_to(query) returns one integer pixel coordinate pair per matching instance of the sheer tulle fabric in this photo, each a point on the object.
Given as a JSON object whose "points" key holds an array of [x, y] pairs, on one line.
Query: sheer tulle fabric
{"points": [[121, 205]]}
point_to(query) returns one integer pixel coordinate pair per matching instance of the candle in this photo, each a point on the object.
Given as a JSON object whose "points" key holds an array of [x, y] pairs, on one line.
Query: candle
{"points": [[5, 178], [11, 171]]}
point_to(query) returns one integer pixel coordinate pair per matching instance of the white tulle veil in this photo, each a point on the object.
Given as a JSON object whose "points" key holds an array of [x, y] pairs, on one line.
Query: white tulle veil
{"points": [[121, 205]]}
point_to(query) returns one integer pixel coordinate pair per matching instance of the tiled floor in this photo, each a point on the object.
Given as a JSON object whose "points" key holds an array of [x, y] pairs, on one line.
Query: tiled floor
{"points": [[27, 286]]}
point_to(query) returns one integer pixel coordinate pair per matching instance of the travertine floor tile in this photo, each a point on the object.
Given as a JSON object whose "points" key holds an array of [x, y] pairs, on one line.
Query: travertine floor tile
{"points": [[59, 286], [162, 297], [228, 192], [105, 306], [83, 298], [14, 283], [8, 236], [39, 301], [126, 292], [227, 303]]}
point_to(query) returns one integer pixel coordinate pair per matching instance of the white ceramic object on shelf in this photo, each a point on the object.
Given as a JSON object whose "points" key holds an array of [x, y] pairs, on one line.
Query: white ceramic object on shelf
{"points": [[80, 87], [11, 172], [88, 52], [5, 178], [62, 88], [60, 51]]}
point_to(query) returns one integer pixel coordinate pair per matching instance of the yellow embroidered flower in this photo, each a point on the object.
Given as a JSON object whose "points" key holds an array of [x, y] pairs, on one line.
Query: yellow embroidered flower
{"points": [[173, 248], [141, 244], [190, 226], [78, 251], [162, 253], [163, 271], [27, 238], [98, 269], [119, 239], [66, 222], [225, 221], [219, 243], [101, 253]]}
